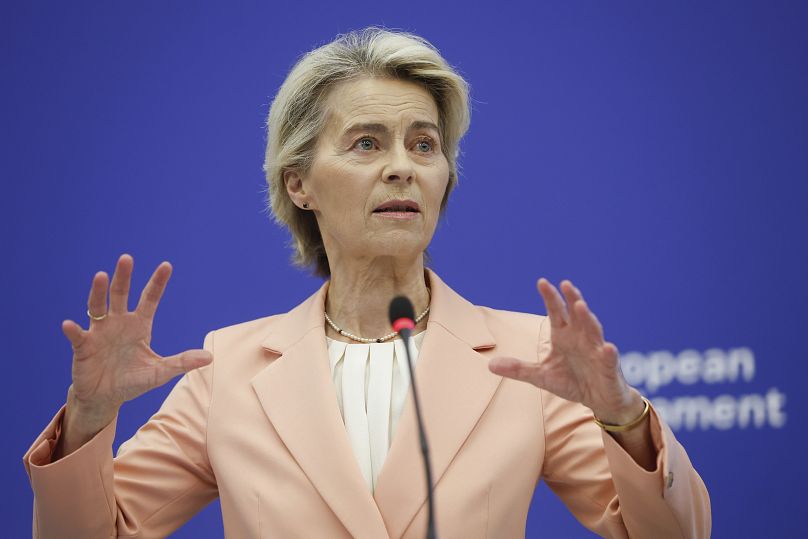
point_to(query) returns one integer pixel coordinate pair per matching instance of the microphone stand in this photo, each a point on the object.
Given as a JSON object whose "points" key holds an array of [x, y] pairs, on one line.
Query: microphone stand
{"points": [[405, 334]]}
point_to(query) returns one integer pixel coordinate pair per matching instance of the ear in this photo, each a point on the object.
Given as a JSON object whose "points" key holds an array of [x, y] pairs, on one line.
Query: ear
{"points": [[294, 187]]}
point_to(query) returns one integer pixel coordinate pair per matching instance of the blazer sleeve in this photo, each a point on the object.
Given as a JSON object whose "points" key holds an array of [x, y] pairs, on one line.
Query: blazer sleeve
{"points": [[602, 485], [158, 480]]}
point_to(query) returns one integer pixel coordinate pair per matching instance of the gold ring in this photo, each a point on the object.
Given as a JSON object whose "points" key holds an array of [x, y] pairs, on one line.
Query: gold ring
{"points": [[96, 318]]}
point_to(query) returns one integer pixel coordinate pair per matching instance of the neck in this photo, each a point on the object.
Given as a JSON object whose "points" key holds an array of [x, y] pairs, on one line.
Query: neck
{"points": [[359, 294]]}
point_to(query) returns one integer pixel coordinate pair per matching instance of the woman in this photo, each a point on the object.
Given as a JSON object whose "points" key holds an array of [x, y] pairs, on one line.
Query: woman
{"points": [[301, 423]]}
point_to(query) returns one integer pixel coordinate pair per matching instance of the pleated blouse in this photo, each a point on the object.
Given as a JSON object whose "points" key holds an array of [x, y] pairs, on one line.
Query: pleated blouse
{"points": [[371, 381]]}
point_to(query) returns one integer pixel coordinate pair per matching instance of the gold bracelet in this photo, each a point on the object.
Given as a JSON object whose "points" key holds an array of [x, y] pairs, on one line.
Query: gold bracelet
{"points": [[628, 426]]}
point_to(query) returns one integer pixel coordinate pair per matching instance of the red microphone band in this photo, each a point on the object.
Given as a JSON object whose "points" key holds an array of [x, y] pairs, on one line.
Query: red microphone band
{"points": [[403, 323]]}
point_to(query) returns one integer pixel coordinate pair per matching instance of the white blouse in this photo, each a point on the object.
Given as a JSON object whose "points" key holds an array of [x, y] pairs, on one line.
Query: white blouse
{"points": [[372, 381]]}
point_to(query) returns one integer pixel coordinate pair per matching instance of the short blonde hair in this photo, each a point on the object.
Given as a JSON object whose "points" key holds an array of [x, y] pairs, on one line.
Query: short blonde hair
{"points": [[298, 115]]}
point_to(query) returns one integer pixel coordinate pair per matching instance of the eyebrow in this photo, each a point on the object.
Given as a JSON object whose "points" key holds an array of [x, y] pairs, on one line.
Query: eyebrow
{"points": [[381, 128]]}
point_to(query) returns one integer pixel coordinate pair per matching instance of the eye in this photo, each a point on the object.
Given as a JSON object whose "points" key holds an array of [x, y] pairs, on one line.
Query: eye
{"points": [[424, 145], [365, 144]]}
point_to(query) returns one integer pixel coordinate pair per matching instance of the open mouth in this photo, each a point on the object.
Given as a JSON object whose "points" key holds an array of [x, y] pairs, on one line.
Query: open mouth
{"points": [[398, 206]]}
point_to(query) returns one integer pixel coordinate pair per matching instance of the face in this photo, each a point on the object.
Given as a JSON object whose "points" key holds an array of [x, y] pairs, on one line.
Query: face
{"points": [[379, 174]]}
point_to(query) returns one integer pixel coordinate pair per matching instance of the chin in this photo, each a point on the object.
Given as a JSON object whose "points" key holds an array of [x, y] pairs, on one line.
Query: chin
{"points": [[400, 245]]}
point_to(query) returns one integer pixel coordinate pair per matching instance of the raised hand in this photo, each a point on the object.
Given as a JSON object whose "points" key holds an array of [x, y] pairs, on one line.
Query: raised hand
{"points": [[581, 366], [113, 361]]}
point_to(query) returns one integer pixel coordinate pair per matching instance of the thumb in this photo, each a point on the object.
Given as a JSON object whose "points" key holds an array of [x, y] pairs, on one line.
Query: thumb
{"points": [[171, 366], [510, 367]]}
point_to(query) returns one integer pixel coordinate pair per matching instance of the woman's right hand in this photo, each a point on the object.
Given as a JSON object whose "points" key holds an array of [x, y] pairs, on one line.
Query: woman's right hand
{"points": [[113, 361]]}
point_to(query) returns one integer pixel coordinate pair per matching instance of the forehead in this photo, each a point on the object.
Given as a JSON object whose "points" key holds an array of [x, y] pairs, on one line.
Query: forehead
{"points": [[380, 100]]}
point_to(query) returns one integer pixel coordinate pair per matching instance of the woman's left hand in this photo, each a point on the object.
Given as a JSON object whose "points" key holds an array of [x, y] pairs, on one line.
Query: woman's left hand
{"points": [[581, 366]]}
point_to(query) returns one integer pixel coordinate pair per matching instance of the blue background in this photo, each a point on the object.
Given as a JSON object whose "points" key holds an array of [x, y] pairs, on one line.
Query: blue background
{"points": [[655, 154]]}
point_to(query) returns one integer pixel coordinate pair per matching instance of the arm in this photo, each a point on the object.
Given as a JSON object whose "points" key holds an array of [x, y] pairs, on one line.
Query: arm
{"points": [[607, 491], [159, 479], [162, 475], [612, 483]]}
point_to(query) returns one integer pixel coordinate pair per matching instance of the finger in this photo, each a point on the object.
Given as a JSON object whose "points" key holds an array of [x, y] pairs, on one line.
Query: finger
{"points": [[74, 333], [611, 354], [556, 309], [571, 295], [517, 369], [97, 302], [171, 366], [119, 289], [588, 322], [153, 291]]}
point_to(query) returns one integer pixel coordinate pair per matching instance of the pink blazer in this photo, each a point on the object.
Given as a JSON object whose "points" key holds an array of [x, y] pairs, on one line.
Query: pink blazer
{"points": [[261, 429]]}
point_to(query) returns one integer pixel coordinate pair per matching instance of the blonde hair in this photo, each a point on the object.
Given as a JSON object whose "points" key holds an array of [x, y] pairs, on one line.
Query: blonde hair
{"points": [[298, 115]]}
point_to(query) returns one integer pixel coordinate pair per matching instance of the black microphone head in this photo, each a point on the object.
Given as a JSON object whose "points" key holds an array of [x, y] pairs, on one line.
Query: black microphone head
{"points": [[401, 307]]}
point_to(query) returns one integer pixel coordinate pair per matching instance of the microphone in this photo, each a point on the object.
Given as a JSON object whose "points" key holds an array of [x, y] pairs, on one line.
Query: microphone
{"points": [[402, 315]]}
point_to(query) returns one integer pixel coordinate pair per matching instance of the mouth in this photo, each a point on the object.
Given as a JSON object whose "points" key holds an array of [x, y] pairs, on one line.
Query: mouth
{"points": [[398, 207]]}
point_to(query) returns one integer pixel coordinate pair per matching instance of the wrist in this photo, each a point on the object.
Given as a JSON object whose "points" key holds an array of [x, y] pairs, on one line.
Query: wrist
{"points": [[629, 410], [86, 418], [80, 424]]}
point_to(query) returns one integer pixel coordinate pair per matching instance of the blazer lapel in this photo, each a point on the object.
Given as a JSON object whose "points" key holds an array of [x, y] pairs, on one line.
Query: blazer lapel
{"points": [[297, 395], [455, 387]]}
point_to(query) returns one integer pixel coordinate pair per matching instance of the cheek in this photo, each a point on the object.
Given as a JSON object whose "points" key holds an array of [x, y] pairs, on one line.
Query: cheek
{"points": [[439, 185], [331, 178], [341, 189]]}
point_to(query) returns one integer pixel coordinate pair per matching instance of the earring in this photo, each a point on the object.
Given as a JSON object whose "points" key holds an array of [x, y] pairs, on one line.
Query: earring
{"points": [[305, 205]]}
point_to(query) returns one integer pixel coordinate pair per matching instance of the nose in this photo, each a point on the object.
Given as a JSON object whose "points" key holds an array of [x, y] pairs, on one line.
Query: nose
{"points": [[399, 167]]}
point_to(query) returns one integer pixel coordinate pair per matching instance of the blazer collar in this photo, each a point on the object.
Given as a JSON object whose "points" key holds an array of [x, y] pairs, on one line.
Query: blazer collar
{"points": [[297, 394]]}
